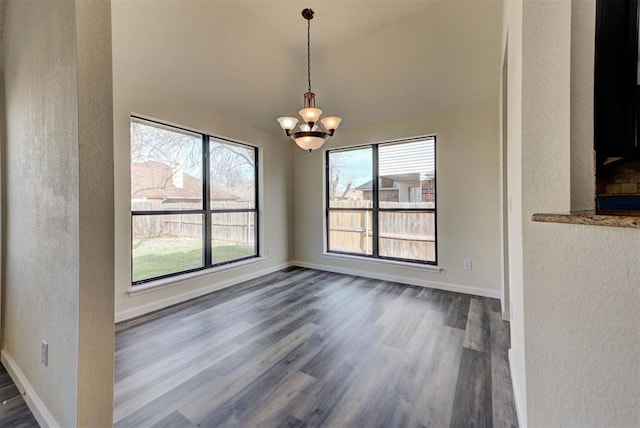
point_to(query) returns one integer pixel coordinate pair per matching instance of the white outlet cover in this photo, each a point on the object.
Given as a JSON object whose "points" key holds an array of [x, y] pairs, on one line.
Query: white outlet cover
{"points": [[44, 353]]}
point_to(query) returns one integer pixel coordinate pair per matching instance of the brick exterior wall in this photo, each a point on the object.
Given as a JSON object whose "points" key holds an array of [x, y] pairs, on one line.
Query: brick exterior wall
{"points": [[429, 191], [386, 195]]}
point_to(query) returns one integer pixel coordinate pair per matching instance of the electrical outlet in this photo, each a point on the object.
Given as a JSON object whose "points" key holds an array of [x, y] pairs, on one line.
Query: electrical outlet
{"points": [[44, 353], [467, 264]]}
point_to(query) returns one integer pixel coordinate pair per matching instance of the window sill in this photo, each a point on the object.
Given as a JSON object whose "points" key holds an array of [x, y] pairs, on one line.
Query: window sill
{"points": [[367, 260], [180, 279]]}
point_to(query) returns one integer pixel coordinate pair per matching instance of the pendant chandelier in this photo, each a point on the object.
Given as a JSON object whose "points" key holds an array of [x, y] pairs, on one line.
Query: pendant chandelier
{"points": [[310, 135]]}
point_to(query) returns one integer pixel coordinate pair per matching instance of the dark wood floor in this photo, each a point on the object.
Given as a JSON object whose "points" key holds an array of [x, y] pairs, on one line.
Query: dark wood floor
{"points": [[13, 410], [308, 348]]}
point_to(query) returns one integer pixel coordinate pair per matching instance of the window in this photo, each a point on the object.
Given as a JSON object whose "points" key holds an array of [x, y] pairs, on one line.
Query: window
{"points": [[193, 201], [381, 200]]}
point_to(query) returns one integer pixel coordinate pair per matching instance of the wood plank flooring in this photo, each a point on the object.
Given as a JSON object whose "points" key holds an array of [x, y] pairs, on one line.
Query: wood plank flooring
{"points": [[302, 348], [13, 409]]}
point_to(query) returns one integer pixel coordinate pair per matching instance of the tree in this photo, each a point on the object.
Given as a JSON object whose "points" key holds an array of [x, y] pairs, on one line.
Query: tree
{"points": [[231, 165], [336, 175]]}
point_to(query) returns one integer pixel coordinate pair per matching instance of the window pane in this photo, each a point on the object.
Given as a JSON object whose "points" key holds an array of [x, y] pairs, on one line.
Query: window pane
{"points": [[166, 168], [232, 236], [407, 174], [350, 182], [233, 175], [407, 235], [350, 232], [164, 244]]}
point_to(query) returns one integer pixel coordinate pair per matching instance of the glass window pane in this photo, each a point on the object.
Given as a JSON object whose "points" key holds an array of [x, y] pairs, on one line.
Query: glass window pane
{"points": [[232, 236], [407, 174], [166, 168], [407, 235], [350, 182], [350, 232], [233, 175], [164, 244]]}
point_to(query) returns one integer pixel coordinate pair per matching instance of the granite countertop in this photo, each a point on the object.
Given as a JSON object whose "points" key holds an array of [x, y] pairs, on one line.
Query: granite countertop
{"points": [[594, 218]]}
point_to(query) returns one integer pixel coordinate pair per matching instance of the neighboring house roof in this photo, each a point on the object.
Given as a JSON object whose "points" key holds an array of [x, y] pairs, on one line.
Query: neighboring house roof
{"points": [[156, 180], [385, 184], [222, 195], [244, 192]]}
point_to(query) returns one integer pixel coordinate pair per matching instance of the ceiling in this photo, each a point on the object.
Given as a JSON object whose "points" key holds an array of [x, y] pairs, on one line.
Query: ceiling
{"points": [[372, 60]]}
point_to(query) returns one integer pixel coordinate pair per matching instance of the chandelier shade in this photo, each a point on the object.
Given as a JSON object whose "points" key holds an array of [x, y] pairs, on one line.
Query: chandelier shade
{"points": [[288, 122], [310, 134], [331, 123], [310, 115], [310, 142]]}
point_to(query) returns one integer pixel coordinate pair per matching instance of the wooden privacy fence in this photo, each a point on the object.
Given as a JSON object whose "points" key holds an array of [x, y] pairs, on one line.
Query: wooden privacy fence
{"points": [[228, 227], [403, 234], [233, 227]]}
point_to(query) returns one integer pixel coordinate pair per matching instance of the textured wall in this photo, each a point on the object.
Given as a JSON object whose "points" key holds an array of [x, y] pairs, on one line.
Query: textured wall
{"points": [[59, 259], [467, 194], [583, 326], [581, 283], [95, 169], [41, 275], [545, 151]]}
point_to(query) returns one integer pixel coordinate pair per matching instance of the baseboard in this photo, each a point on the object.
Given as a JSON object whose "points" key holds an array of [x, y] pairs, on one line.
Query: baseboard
{"points": [[465, 289], [35, 404], [183, 297], [173, 300], [516, 396]]}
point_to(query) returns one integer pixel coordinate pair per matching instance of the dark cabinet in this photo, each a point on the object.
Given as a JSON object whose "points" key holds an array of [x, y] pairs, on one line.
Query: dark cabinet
{"points": [[616, 106]]}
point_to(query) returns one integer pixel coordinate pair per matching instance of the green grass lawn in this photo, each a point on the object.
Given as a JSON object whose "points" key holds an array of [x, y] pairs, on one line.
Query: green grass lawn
{"points": [[161, 256]]}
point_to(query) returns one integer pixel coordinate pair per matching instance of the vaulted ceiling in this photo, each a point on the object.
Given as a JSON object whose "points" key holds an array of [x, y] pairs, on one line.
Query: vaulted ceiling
{"points": [[372, 60]]}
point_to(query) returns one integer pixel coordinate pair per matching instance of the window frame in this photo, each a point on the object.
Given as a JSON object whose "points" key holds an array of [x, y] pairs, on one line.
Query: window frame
{"points": [[206, 211], [375, 209]]}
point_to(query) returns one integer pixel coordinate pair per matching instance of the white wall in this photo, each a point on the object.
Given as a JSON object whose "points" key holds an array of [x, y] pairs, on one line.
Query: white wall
{"points": [[144, 57], [583, 183], [583, 326], [467, 197], [96, 334], [275, 180], [578, 338], [512, 40], [58, 222]]}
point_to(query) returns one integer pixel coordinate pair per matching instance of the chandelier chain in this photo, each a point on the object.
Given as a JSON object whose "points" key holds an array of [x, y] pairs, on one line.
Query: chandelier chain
{"points": [[307, 134], [309, 52]]}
